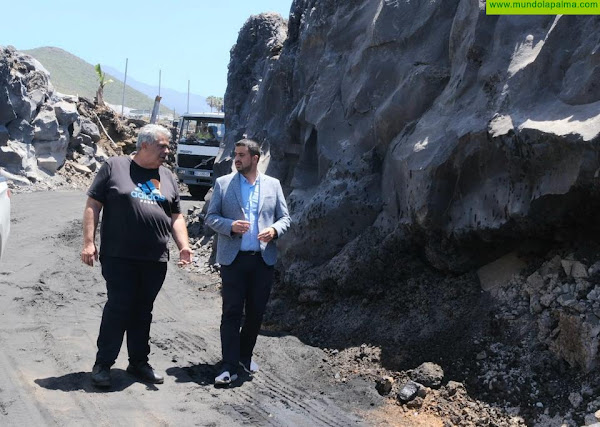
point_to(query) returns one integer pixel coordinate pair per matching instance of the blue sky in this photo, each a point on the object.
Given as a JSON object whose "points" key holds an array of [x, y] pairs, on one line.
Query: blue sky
{"points": [[184, 39]]}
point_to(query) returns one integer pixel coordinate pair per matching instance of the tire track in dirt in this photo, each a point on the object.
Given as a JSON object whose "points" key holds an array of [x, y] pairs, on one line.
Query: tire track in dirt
{"points": [[51, 305], [44, 357], [54, 291], [30, 261], [276, 393], [321, 412], [61, 282], [268, 398], [270, 387], [47, 302], [15, 406]]}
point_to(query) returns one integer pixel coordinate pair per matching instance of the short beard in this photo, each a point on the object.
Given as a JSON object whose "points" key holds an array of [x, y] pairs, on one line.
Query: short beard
{"points": [[244, 170]]}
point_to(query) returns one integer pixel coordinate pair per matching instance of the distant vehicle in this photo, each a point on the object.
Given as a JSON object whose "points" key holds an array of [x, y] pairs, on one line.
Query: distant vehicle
{"points": [[4, 213], [199, 138]]}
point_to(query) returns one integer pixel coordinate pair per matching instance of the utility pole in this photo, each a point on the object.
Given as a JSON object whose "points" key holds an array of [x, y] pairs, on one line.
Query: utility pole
{"points": [[124, 86], [188, 99], [159, 72]]}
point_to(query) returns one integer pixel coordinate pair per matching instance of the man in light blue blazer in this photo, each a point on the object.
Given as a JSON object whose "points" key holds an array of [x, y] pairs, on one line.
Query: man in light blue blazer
{"points": [[248, 212]]}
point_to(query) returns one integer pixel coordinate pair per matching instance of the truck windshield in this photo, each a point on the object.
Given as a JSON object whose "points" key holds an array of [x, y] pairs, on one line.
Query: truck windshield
{"points": [[201, 132]]}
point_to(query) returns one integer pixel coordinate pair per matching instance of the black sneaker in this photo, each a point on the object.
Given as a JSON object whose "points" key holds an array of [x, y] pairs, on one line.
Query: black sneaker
{"points": [[144, 372], [101, 375]]}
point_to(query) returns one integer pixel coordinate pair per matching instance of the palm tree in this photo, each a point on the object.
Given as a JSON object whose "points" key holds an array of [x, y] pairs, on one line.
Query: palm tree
{"points": [[219, 104], [102, 81], [215, 102]]}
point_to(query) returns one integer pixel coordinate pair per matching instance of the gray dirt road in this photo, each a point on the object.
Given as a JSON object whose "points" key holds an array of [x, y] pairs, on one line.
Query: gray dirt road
{"points": [[50, 308]]}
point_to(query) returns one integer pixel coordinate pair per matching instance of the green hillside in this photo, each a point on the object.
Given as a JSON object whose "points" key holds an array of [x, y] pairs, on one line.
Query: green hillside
{"points": [[73, 76]]}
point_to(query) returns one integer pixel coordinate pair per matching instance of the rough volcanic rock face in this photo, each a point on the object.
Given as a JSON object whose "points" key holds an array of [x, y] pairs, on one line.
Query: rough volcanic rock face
{"points": [[28, 120], [509, 148], [34, 121], [42, 131], [252, 58], [461, 132]]}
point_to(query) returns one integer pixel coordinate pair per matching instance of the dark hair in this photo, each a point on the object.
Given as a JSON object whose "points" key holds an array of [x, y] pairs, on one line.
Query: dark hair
{"points": [[252, 145]]}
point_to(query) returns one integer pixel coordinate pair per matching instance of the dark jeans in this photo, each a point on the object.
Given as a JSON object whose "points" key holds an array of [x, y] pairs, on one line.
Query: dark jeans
{"points": [[246, 285], [132, 287]]}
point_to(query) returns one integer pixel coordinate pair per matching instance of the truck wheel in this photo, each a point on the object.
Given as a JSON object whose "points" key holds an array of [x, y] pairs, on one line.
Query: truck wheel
{"points": [[198, 191]]}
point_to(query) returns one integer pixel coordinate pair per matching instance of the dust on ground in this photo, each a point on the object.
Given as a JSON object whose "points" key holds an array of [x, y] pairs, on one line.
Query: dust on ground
{"points": [[497, 366], [51, 309], [341, 359], [344, 360]]}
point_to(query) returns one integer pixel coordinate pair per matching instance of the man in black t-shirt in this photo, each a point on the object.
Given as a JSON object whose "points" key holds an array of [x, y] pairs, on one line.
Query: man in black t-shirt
{"points": [[140, 203]]}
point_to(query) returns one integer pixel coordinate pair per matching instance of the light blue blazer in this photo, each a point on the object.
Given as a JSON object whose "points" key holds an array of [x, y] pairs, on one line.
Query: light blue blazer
{"points": [[226, 206]]}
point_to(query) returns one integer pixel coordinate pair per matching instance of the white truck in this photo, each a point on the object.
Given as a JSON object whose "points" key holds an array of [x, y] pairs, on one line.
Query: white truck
{"points": [[198, 141]]}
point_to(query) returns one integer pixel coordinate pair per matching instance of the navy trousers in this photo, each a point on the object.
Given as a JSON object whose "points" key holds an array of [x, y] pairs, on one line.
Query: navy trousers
{"points": [[247, 283], [132, 287]]}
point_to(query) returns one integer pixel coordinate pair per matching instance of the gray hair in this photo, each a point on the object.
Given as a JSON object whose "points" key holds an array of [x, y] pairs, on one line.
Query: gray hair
{"points": [[150, 134]]}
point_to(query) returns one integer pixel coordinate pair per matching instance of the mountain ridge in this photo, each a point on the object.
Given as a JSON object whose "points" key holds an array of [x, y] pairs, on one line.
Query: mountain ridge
{"points": [[72, 75], [170, 97]]}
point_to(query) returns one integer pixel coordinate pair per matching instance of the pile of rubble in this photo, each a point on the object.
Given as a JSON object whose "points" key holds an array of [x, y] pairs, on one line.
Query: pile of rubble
{"points": [[555, 308], [564, 296], [48, 139], [37, 125], [534, 364], [202, 241]]}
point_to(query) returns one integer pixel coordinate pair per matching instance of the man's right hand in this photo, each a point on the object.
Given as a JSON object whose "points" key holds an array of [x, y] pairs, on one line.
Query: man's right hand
{"points": [[89, 254], [240, 227]]}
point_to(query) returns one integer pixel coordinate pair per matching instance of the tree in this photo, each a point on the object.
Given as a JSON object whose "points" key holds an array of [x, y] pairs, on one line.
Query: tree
{"points": [[215, 102], [102, 82], [220, 104]]}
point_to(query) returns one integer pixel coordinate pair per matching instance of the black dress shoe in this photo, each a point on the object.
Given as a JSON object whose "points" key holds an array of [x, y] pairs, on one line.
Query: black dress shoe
{"points": [[101, 375], [144, 372]]}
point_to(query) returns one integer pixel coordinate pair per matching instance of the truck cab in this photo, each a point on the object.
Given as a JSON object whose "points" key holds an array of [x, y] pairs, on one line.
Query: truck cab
{"points": [[199, 138]]}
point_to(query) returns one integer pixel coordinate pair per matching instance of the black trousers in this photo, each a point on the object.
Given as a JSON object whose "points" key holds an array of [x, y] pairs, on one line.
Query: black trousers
{"points": [[247, 283], [132, 287]]}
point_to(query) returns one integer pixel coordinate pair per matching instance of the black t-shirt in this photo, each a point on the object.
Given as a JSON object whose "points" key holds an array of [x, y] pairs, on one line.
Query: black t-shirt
{"points": [[138, 204]]}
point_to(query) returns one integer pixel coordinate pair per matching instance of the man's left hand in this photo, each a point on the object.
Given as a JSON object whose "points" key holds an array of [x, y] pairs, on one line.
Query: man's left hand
{"points": [[267, 234], [185, 256]]}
